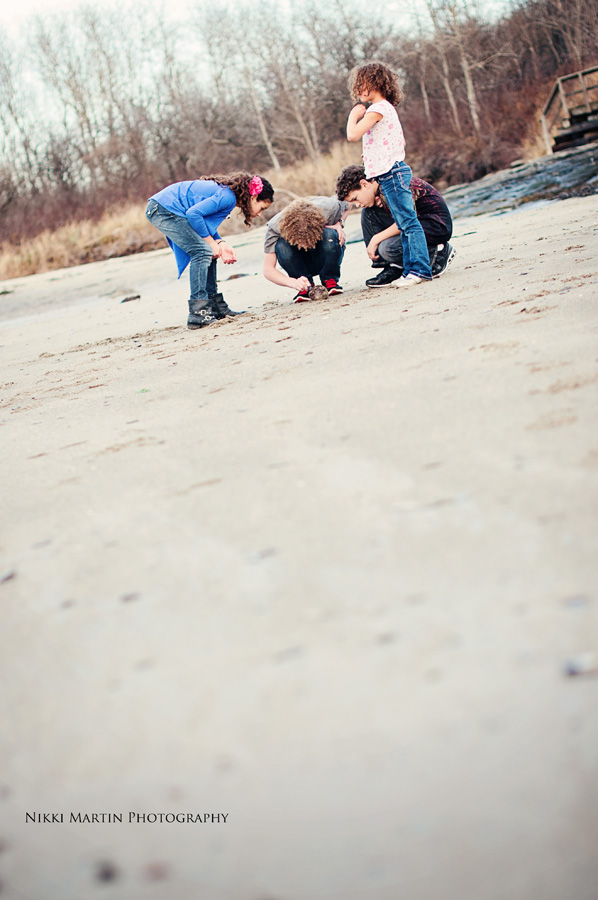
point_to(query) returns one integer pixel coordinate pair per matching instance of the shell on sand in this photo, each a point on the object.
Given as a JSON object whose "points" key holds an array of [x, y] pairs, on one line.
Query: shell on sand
{"points": [[317, 292]]}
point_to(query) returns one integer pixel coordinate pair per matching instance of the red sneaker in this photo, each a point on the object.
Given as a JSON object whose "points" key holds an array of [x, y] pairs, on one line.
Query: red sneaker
{"points": [[301, 297], [333, 287]]}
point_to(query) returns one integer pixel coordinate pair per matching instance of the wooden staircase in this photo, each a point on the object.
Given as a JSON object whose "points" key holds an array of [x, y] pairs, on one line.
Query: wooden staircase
{"points": [[570, 116]]}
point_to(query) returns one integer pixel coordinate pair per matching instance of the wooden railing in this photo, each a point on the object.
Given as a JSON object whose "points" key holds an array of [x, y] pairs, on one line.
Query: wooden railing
{"points": [[573, 97]]}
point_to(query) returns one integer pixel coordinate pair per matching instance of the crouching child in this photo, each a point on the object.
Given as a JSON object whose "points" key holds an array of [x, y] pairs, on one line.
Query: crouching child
{"points": [[307, 240]]}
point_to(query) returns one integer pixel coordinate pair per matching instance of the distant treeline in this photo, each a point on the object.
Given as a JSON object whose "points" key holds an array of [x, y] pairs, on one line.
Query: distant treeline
{"points": [[107, 104]]}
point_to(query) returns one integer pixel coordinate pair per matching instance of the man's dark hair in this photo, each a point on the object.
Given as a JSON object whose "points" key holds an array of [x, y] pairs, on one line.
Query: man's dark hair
{"points": [[349, 180]]}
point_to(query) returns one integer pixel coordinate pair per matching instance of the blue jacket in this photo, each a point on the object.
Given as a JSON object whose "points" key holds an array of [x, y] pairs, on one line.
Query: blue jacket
{"points": [[205, 204]]}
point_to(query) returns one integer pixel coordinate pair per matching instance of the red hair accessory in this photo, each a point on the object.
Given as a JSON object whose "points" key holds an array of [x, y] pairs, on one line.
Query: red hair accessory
{"points": [[256, 186]]}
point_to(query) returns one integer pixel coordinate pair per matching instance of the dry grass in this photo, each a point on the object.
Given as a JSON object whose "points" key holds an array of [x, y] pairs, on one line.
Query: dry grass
{"points": [[306, 179], [125, 230], [119, 233], [533, 147]]}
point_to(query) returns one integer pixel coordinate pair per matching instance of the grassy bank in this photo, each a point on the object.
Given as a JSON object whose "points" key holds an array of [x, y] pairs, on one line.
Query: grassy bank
{"points": [[125, 230]]}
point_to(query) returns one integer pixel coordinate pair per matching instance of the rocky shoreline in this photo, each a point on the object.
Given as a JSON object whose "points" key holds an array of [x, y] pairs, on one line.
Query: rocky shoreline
{"points": [[569, 173]]}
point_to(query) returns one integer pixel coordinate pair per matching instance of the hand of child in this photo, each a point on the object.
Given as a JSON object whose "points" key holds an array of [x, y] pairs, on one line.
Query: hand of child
{"points": [[372, 249], [227, 254], [357, 113], [341, 233], [302, 284]]}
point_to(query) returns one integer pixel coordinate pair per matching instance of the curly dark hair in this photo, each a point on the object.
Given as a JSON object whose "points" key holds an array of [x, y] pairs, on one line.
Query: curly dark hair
{"points": [[378, 77], [351, 177], [302, 224], [238, 182], [349, 180]]}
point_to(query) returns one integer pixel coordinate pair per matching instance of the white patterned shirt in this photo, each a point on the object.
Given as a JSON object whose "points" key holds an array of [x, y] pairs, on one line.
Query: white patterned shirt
{"points": [[384, 144]]}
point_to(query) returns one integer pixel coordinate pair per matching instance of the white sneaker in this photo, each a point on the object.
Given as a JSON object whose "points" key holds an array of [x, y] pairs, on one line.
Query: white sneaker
{"points": [[407, 280]]}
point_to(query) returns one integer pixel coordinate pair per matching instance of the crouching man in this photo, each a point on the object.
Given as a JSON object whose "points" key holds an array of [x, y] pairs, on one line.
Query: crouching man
{"points": [[381, 235], [307, 240]]}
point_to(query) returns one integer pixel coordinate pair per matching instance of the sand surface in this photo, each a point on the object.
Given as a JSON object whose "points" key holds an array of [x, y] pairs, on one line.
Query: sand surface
{"points": [[320, 569]]}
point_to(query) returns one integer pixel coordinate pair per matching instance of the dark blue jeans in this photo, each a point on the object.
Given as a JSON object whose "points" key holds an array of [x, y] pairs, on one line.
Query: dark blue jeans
{"points": [[202, 267], [324, 260], [397, 193], [390, 250]]}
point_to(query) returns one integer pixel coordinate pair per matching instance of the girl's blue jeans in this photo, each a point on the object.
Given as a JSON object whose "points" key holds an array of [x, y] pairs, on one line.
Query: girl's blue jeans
{"points": [[397, 193], [202, 267]]}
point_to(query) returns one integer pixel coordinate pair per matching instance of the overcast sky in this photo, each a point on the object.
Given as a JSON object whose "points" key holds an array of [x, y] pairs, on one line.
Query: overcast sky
{"points": [[13, 12]]}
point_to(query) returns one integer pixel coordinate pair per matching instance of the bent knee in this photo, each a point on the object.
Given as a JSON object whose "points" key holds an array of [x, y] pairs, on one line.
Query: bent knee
{"points": [[331, 234]]}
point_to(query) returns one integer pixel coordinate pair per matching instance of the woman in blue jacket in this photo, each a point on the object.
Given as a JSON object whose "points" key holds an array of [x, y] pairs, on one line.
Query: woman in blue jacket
{"points": [[188, 214]]}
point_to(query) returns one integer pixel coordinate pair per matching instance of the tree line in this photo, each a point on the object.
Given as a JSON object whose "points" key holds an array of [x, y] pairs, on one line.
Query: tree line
{"points": [[107, 104]]}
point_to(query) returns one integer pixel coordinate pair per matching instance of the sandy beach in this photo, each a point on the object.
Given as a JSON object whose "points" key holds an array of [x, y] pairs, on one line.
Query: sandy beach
{"points": [[326, 570]]}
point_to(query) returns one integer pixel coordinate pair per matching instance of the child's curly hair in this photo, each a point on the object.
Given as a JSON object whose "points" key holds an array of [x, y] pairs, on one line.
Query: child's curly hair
{"points": [[349, 180], [238, 182], [302, 224], [375, 76]]}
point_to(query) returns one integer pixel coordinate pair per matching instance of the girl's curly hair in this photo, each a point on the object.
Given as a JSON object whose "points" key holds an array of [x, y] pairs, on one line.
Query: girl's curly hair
{"points": [[375, 76], [238, 182], [302, 224]]}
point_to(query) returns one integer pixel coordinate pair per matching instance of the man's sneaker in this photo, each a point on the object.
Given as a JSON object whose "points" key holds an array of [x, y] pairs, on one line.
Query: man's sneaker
{"points": [[408, 280], [332, 286], [301, 297], [386, 276], [443, 256]]}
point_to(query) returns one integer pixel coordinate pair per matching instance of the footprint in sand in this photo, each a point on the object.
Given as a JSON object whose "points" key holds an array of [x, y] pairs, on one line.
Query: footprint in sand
{"points": [[553, 420]]}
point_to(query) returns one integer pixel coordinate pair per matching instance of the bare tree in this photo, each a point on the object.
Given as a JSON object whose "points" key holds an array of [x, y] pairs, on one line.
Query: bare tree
{"points": [[17, 118], [231, 57], [456, 24], [442, 46]]}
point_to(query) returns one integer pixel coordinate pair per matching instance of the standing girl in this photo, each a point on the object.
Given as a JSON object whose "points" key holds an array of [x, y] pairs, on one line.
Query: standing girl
{"points": [[384, 160], [188, 213]]}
